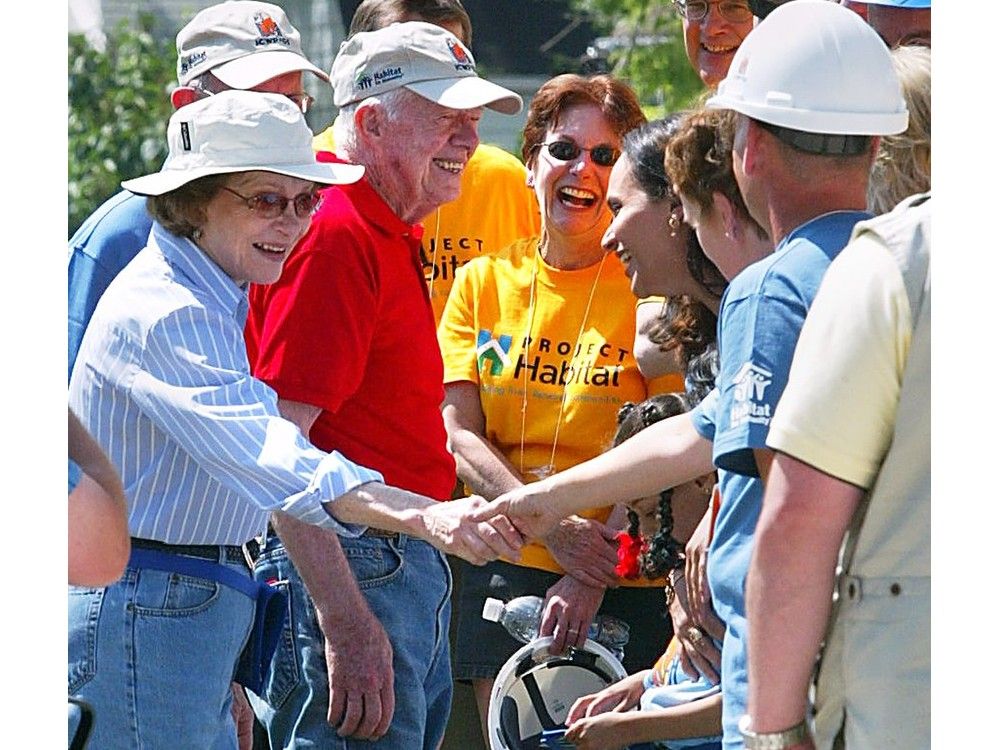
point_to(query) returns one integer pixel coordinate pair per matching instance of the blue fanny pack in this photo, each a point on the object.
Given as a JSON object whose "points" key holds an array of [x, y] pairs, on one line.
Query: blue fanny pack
{"points": [[270, 608]]}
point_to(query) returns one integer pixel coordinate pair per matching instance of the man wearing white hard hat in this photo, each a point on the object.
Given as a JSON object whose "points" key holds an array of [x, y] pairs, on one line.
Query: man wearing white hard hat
{"points": [[346, 337], [243, 44], [898, 22], [812, 87], [163, 383]]}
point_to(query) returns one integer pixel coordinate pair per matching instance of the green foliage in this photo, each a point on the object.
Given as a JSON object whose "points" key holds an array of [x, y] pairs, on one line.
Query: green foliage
{"points": [[118, 111], [659, 72]]}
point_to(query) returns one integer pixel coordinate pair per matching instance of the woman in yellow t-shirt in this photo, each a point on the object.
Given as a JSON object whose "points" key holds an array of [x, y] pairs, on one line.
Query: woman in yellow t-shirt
{"points": [[537, 351]]}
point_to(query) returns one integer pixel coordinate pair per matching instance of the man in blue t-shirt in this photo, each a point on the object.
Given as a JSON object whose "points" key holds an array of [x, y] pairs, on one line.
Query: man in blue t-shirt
{"points": [[235, 45], [812, 86]]}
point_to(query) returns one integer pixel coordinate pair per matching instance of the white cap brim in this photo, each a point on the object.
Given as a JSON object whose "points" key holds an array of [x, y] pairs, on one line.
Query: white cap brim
{"points": [[252, 70], [468, 92], [324, 173]]}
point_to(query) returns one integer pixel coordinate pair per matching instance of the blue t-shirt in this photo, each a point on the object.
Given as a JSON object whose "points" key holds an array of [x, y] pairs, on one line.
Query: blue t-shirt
{"points": [[760, 320], [103, 245]]}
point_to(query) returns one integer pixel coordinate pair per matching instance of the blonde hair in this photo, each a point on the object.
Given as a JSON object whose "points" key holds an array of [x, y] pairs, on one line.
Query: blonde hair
{"points": [[903, 164]]}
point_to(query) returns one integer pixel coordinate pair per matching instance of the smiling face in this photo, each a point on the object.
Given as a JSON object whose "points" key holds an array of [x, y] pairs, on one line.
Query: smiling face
{"points": [[653, 254], [420, 155], [248, 247], [712, 42], [713, 237], [572, 193]]}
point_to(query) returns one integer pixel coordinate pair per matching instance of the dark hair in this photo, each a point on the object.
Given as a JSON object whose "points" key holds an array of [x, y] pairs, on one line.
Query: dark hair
{"points": [[645, 147], [699, 378], [664, 552], [615, 98], [683, 324], [377, 14], [182, 210]]}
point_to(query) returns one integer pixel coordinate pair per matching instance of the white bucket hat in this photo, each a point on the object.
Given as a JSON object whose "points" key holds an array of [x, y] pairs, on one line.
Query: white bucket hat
{"points": [[243, 43], [423, 57], [240, 131]]}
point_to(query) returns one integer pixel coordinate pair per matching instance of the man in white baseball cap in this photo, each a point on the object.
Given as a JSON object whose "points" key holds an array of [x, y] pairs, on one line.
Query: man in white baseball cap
{"points": [[242, 44], [347, 339]]}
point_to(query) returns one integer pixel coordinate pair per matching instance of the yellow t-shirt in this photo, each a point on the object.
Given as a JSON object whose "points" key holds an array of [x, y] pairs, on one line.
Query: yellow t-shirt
{"points": [[482, 339], [494, 208]]}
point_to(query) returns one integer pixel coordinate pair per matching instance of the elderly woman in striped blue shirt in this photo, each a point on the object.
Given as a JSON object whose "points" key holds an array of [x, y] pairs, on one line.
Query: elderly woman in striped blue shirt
{"points": [[162, 382]]}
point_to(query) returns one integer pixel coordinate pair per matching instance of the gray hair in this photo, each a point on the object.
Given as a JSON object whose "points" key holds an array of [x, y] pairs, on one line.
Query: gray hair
{"points": [[344, 131], [903, 164]]}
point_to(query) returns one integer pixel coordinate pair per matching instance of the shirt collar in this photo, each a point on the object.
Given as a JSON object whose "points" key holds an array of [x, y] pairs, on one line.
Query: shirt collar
{"points": [[377, 211], [201, 271], [820, 226]]}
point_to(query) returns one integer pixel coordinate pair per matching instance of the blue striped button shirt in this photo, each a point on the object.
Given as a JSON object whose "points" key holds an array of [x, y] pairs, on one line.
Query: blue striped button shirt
{"points": [[162, 382]]}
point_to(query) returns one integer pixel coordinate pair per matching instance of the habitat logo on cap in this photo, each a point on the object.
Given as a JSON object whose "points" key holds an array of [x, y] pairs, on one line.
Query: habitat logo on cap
{"points": [[426, 59], [270, 31], [458, 52]]}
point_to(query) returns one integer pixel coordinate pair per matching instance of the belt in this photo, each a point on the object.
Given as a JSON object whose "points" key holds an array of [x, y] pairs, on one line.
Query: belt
{"points": [[380, 533], [371, 531], [245, 554]]}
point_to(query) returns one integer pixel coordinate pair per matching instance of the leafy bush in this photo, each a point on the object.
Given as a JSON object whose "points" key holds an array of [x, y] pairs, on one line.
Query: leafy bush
{"points": [[118, 110], [650, 55]]}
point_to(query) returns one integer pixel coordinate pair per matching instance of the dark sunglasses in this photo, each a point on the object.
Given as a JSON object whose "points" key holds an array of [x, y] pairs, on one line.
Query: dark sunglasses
{"points": [[273, 205], [603, 155]]}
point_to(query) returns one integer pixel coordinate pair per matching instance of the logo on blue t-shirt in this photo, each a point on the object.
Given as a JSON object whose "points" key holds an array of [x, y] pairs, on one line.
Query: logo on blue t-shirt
{"points": [[493, 351], [749, 386]]}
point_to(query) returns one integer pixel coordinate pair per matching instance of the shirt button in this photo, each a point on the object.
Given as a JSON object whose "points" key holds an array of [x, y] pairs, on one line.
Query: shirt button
{"points": [[851, 590], [895, 589]]}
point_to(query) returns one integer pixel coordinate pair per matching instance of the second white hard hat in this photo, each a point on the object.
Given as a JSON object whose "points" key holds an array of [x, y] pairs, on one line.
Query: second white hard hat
{"points": [[815, 66]]}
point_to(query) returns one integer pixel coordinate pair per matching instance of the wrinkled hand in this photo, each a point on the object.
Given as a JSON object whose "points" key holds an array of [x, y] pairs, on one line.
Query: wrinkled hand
{"points": [[623, 695], [452, 527], [585, 549], [243, 716], [360, 675], [569, 609], [527, 508], [601, 732], [696, 656]]}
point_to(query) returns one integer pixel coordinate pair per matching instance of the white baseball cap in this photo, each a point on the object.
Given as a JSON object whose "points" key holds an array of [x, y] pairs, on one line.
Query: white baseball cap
{"points": [[240, 131], [425, 58], [243, 43]]}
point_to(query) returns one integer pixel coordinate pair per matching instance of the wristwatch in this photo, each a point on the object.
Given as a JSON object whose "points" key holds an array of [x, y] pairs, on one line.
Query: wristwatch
{"points": [[782, 740]]}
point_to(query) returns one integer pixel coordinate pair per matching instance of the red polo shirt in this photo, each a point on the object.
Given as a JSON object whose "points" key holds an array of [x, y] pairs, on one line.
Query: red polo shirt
{"points": [[348, 328]]}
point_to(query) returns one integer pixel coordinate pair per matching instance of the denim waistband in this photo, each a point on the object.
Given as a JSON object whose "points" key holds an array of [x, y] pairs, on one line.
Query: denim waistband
{"points": [[196, 567], [245, 554]]}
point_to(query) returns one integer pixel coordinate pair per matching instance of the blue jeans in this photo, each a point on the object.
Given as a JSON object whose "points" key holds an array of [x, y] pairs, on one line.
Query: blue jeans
{"points": [[407, 585], [154, 654]]}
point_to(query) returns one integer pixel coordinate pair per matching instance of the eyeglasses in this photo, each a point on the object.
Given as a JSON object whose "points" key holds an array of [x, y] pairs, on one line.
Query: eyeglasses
{"points": [[733, 11], [273, 205], [603, 155], [303, 101]]}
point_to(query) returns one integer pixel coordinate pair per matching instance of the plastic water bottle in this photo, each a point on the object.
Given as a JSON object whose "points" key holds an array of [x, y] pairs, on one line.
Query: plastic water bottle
{"points": [[522, 616]]}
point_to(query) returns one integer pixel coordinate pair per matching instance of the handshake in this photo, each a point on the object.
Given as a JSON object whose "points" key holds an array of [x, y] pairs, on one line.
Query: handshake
{"points": [[479, 531]]}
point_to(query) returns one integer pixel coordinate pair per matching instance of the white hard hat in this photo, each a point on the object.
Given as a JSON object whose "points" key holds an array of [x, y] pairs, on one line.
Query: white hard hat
{"points": [[814, 66], [535, 690]]}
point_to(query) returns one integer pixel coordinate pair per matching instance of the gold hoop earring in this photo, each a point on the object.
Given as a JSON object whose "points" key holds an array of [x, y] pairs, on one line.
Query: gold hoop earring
{"points": [[674, 223]]}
